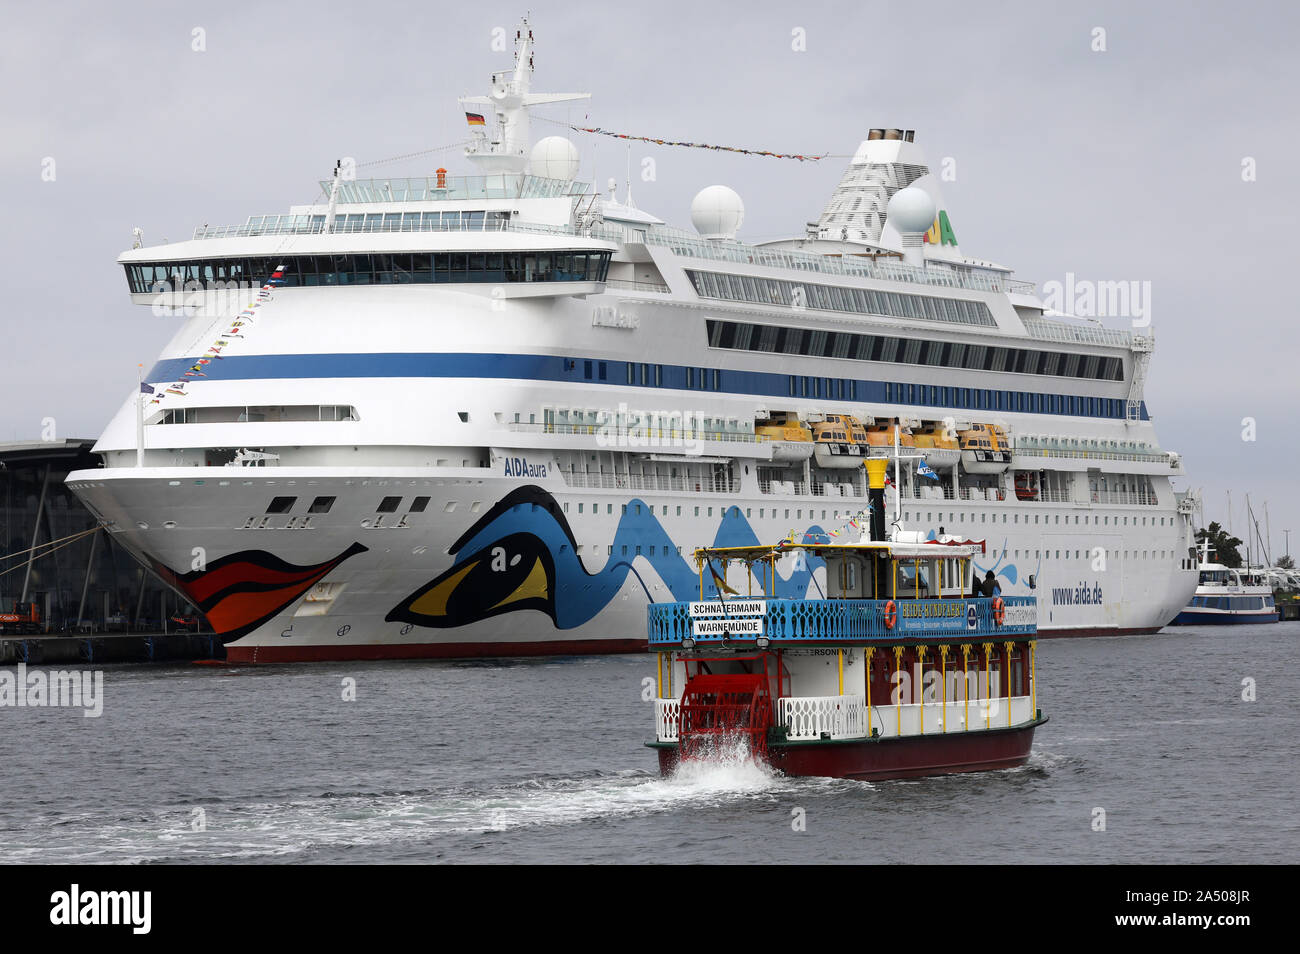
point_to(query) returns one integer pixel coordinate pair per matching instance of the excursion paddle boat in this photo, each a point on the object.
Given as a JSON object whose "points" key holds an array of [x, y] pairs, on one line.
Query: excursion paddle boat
{"points": [[898, 669]]}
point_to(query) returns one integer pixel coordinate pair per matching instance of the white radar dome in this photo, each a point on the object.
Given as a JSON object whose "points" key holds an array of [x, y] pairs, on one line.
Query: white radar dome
{"points": [[911, 210], [554, 158], [717, 212]]}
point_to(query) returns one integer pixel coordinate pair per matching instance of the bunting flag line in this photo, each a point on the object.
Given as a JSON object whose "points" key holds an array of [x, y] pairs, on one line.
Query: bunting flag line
{"points": [[857, 521], [697, 145], [235, 329]]}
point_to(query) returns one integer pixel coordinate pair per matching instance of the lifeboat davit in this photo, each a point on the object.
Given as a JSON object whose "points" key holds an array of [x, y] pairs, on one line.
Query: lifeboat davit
{"points": [[880, 439], [985, 449], [839, 442], [941, 451], [790, 441]]}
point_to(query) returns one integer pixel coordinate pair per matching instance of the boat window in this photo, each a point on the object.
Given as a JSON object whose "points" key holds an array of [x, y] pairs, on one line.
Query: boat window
{"points": [[281, 504]]}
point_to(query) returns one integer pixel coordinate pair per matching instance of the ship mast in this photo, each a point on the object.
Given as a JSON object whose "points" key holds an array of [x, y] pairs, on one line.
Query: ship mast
{"points": [[504, 149]]}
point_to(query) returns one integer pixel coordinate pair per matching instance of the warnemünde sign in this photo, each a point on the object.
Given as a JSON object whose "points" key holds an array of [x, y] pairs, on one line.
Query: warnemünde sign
{"points": [[744, 626]]}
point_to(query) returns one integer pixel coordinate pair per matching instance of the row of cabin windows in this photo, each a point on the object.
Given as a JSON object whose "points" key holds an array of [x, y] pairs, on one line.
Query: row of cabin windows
{"points": [[857, 301], [323, 504], [1233, 602], [241, 414], [959, 517], [379, 268], [489, 221], [847, 389], [634, 550], [954, 355], [930, 516], [652, 376]]}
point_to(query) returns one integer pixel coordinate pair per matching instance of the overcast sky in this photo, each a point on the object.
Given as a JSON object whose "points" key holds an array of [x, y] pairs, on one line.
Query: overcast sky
{"points": [[1125, 164]]}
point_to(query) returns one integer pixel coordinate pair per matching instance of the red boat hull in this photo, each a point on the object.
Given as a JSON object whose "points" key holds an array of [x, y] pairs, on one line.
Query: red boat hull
{"points": [[894, 757]]}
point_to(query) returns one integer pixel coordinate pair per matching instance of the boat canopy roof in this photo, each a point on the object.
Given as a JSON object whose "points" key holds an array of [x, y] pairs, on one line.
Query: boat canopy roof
{"points": [[920, 550]]}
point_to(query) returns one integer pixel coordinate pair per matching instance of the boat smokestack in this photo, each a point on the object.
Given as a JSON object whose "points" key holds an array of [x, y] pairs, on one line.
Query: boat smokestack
{"points": [[876, 468]]}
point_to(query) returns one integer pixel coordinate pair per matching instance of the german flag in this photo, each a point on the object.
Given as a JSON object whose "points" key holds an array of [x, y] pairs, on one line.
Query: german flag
{"points": [[474, 119], [719, 581]]}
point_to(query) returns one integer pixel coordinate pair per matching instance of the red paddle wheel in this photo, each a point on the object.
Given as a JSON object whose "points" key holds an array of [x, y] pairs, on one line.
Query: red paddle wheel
{"points": [[718, 710]]}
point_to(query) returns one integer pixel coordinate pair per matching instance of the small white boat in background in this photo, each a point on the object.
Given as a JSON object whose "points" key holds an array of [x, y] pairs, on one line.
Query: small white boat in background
{"points": [[1227, 596]]}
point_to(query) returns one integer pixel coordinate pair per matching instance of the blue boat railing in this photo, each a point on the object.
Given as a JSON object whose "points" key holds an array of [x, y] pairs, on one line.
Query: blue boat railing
{"points": [[835, 620]]}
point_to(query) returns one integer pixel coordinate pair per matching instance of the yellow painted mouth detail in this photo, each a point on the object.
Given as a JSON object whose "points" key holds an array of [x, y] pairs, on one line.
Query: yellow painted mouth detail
{"points": [[434, 602], [534, 586]]}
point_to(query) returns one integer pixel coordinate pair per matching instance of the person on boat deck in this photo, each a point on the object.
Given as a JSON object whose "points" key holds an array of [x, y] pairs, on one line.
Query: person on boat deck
{"points": [[990, 587]]}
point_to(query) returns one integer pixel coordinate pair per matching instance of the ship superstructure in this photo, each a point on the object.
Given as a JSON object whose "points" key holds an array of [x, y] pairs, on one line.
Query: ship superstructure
{"points": [[484, 414]]}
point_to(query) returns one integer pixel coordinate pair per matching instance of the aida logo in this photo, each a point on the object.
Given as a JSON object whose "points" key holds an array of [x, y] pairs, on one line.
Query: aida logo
{"points": [[519, 467], [941, 231]]}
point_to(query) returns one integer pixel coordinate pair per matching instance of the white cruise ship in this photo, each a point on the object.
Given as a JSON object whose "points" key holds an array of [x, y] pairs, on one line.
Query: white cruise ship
{"points": [[493, 414]]}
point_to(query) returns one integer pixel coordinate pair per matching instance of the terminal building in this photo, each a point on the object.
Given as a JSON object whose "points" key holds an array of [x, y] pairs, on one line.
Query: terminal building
{"points": [[60, 563]]}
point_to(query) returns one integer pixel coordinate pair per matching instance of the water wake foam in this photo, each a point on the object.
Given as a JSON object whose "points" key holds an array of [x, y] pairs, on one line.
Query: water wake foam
{"points": [[247, 830]]}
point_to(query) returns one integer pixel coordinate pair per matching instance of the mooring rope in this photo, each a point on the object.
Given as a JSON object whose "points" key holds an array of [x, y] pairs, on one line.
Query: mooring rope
{"points": [[70, 538]]}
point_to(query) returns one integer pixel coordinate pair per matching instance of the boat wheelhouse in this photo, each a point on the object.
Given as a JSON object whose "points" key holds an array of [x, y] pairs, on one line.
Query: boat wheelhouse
{"points": [[902, 667]]}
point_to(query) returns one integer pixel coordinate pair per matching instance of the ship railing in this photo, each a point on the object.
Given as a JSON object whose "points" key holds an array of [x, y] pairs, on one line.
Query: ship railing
{"points": [[807, 718], [620, 437], [1048, 329], [944, 491], [436, 188], [1093, 453], [687, 245], [835, 489], [1139, 497], [668, 714], [347, 228], [658, 287], [939, 718], [856, 621], [1017, 287], [407, 222], [707, 484], [1045, 496], [798, 488], [812, 717]]}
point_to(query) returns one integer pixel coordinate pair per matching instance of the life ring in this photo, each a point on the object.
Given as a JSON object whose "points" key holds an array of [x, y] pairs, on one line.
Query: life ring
{"points": [[999, 611], [891, 614]]}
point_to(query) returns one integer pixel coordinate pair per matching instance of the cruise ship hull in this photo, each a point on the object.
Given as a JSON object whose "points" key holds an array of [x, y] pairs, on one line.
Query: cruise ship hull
{"points": [[506, 566]]}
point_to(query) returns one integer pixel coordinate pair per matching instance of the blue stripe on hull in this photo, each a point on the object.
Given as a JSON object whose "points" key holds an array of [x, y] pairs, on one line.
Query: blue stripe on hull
{"points": [[522, 367]]}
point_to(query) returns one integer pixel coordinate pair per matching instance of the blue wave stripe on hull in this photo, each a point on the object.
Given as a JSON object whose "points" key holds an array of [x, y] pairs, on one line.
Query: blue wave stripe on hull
{"points": [[586, 593]]}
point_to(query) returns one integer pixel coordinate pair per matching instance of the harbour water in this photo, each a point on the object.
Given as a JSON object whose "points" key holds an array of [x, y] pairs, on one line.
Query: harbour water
{"points": [[542, 761]]}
